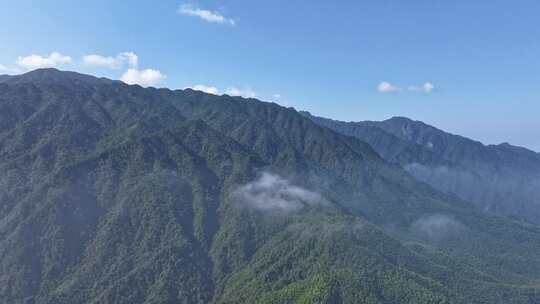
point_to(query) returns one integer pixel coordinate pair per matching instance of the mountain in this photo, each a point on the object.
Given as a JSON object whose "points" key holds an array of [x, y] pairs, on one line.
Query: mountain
{"points": [[111, 193], [4, 77], [503, 179]]}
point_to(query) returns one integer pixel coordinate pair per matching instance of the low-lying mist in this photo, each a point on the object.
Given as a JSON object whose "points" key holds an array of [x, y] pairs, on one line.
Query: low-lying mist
{"points": [[271, 192], [437, 226]]}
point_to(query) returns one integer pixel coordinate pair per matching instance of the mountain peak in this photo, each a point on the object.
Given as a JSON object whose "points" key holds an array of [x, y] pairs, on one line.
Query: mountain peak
{"points": [[401, 118], [55, 76]]}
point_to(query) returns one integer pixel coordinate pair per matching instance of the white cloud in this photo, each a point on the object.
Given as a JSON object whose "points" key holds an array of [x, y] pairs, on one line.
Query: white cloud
{"points": [[231, 91], [132, 58], [271, 192], [206, 89], [437, 226], [36, 61], [145, 78], [386, 87], [427, 87], [9, 70], [246, 93], [111, 62], [206, 15], [281, 100], [101, 61]]}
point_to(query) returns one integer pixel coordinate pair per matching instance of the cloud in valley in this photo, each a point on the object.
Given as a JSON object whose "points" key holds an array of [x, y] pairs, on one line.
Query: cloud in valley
{"points": [[271, 192], [437, 226]]}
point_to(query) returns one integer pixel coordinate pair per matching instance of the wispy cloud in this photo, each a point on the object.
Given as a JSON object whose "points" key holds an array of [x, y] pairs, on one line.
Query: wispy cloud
{"points": [[206, 15], [132, 58], [204, 88], [133, 75], [246, 92], [271, 192], [437, 226], [145, 78], [117, 62], [9, 70], [231, 91], [52, 60], [427, 87], [386, 87]]}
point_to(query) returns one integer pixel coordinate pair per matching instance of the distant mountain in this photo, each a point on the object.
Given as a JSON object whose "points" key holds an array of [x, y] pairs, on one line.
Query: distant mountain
{"points": [[500, 178], [111, 193], [4, 77]]}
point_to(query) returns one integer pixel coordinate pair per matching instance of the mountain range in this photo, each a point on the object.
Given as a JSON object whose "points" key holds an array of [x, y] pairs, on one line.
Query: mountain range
{"points": [[111, 193], [502, 179]]}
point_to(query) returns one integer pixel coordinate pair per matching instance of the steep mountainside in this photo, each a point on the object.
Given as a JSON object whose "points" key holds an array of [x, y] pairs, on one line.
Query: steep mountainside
{"points": [[503, 179], [112, 193]]}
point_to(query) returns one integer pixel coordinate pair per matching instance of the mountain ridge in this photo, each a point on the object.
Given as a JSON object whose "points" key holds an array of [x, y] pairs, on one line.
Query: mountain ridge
{"points": [[111, 193], [506, 175]]}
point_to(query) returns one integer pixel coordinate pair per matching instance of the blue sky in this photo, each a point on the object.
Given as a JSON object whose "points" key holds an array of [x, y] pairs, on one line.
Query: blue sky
{"points": [[469, 67]]}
